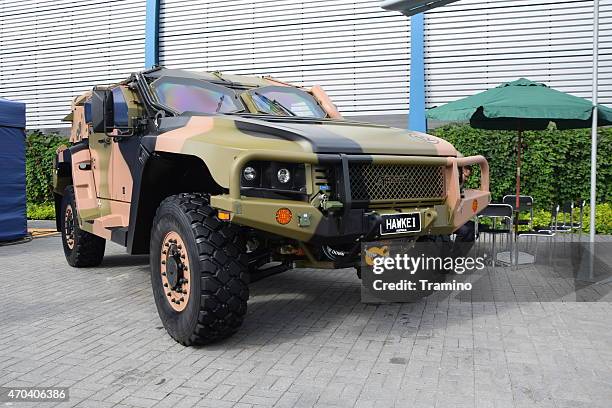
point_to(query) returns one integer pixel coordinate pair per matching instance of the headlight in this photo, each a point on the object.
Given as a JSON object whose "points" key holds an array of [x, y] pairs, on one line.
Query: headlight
{"points": [[274, 176], [283, 175], [249, 173]]}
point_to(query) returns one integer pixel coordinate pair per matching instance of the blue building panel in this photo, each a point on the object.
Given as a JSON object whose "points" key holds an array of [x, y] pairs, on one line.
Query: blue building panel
{"points": [[152, 34], [416, 116]]}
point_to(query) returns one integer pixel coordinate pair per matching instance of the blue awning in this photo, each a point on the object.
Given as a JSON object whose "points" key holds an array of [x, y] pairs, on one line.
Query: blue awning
{"points": [[410, 7]]}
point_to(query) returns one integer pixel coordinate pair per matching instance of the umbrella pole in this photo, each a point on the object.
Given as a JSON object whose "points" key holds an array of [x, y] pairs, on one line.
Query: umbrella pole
{"points": [[518, 167], [593, 197], [518, 178]]}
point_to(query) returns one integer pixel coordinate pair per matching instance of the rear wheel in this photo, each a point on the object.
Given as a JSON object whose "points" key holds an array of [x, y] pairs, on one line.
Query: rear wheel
{"points": [[199, 271], [81, 248]]}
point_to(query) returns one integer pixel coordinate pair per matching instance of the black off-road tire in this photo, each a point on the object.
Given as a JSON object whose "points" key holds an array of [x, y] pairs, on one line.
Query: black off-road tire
{"points": [[81, 248], [217, 271]]}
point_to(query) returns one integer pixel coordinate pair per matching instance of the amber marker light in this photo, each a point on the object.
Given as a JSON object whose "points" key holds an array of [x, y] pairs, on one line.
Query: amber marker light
{"points": [[283, 216], [474, 206], [224, 215]]}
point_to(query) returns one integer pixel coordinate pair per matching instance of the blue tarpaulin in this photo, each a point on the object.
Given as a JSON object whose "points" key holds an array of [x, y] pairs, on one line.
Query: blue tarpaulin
{"points": [[13, 224]]}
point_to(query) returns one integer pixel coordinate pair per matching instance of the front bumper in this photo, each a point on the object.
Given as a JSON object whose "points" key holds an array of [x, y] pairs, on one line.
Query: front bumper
{"points": [[349, 224]]}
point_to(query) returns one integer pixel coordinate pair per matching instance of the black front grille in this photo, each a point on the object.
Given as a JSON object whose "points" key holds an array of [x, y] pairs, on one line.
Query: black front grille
{"points": [[396, 182]]}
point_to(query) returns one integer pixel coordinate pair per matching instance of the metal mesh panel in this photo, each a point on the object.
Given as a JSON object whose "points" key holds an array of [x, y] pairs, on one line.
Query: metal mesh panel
{"points": [[391, 182]]}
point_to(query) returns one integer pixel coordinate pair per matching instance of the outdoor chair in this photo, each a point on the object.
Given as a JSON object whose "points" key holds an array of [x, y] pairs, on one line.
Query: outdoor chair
{"points": [[526, 206], [501, 217], [554, 221], [577, 225], [564, 216]]}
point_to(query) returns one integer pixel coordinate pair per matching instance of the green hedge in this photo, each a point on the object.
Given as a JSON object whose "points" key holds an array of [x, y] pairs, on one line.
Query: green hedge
{"points": [[556, 167], [556, 164], [42, 211], [40, 151], [603, 218]]}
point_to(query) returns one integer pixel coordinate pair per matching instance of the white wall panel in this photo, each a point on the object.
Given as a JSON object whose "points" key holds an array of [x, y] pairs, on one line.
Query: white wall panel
{"points": [[52, 51], [357, 51], [473, 45]]}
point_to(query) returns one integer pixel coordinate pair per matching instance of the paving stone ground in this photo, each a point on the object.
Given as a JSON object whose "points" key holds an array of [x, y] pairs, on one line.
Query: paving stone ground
{"points": [[307, 341]]}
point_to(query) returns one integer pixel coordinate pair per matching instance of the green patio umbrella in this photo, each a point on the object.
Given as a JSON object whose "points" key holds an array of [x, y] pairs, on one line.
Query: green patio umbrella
{"points": [[522, 105]]}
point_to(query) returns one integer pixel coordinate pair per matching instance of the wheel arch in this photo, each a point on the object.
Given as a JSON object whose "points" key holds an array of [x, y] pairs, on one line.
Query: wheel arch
{"points": [[62, 178], [163, 175]]}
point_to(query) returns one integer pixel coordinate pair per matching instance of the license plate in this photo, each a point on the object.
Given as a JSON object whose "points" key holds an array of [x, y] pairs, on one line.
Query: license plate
{"points": [[400, 223]]}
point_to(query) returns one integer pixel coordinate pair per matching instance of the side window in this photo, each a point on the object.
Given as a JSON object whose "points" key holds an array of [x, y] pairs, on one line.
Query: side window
{"points": [[120, 109], [87, 106]]}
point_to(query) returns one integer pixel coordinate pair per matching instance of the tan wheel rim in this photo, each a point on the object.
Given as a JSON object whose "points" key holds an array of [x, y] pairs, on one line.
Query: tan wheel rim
{"points": [[69, 227], [175, 271]]}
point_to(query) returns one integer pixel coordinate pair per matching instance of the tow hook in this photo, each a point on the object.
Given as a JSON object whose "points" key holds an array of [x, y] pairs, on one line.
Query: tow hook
{"points": [[374, 221]]}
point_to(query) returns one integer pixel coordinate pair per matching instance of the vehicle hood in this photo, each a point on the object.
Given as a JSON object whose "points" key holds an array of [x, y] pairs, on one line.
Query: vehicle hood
{"points": [[219, 140], [328, 136], [299, 134]]}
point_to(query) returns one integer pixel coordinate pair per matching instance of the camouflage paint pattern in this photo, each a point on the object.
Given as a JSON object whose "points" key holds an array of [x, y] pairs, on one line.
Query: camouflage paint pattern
{"points": [[104, 184]]}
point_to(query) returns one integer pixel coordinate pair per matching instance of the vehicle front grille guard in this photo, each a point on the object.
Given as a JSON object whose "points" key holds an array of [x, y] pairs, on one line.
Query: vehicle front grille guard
{"points": [[438, 177], [372, 182]]}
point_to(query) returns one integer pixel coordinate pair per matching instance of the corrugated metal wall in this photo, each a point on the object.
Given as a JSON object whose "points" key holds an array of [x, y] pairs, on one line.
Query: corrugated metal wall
{"points": [[357, 51], [473, 45], [51, 51]]}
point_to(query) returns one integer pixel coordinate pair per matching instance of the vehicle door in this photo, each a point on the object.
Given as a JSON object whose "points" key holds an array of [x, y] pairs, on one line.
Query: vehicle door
{"points": [[123, 149], [100, 146]]}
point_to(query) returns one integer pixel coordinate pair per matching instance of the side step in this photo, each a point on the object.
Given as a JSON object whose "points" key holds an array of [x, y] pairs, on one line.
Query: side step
{"points": [[119, 235]]}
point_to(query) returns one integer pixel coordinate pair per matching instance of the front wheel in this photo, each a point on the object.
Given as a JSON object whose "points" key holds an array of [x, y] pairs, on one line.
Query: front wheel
{"points": [[81, 248], [199, 271]]}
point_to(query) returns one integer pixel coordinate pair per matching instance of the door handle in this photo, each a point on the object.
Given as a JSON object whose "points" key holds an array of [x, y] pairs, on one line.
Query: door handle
{"points": [[106, 141]]}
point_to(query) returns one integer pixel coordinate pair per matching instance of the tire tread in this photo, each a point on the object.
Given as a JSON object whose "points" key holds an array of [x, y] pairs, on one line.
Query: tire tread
{"points": [[223, 268], [88, 248]]}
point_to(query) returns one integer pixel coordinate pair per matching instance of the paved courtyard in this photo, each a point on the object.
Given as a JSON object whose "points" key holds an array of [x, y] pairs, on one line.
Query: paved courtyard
{"points": [[307, 341]]}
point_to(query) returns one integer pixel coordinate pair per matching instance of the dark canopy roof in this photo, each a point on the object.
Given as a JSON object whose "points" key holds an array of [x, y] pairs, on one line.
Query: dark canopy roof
{"points": [[522, 105], [12, 114]]}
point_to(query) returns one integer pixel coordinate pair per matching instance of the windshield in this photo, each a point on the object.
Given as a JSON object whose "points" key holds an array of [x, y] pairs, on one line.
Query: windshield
{"points": [[286, 101], [193, 95]]}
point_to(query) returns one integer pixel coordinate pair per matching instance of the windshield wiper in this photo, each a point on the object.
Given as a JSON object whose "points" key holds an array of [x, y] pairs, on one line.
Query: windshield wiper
{"points": [[275, 103], [220, 103]]}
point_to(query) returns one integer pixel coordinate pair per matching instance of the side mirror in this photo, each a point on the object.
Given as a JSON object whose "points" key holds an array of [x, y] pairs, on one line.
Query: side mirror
{"points": [[101, 110]]}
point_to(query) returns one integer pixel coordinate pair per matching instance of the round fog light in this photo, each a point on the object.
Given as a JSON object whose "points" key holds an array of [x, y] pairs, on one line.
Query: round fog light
{"points": [[283, 176], [249, 173]]}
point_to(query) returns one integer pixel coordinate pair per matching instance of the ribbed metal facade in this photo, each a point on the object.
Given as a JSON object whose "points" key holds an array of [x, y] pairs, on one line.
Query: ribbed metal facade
{"points": [[473, 45], [358, 52], [52, 51]]}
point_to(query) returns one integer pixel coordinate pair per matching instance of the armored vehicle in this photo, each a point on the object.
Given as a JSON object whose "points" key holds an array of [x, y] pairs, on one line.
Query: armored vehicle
{"points": [[217, 176]]}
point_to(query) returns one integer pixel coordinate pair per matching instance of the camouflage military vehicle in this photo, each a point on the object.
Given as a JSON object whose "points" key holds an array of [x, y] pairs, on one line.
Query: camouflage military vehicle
{"points": [[218, 175]]}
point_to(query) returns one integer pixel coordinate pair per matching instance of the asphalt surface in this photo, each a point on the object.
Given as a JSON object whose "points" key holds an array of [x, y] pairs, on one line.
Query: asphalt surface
{"points": [[523, 337]]}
